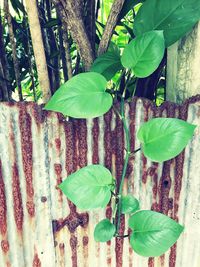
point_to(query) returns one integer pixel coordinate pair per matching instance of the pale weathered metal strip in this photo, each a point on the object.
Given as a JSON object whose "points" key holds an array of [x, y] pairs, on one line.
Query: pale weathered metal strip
{"points": [[40, 228]]}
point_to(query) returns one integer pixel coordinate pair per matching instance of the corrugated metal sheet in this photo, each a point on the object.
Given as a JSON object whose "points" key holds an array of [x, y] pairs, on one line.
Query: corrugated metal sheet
{"points": [[40, 228]]}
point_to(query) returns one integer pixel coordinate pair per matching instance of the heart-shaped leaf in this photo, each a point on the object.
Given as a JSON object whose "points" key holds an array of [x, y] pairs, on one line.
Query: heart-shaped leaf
{"points": [[104, 231], [175, 18], [129, 204], [108, 64], [164, 138], [144, 54], [83, 96], [89, 187], [153, 233]]}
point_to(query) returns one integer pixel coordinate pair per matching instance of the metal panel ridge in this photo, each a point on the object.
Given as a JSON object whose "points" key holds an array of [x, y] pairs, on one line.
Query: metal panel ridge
{"points": [[39, 227]]}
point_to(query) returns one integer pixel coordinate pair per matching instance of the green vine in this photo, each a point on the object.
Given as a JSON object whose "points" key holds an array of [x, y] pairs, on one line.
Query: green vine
{"points": [[88, 95]]}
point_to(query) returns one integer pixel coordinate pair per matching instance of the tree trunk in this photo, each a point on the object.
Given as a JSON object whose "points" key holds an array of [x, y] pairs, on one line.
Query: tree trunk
{"points": [[14, 49], [90, 19], [183, 63], [38, 48], [70, 12], [110, 26]]}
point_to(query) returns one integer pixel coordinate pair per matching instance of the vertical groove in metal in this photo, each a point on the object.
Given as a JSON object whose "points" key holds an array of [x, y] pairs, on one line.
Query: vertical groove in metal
{"points": [[39, 227]]}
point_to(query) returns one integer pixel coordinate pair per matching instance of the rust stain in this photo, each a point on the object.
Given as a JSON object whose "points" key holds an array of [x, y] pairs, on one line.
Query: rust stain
{"points": [[162, 260], [62, 249], [72, 221], [36, 261], [3, 208], [73, 245], [108, 140], [151, 262], [81, 128], [30, 208], [58, 144], [76, 157], [58, 172], [16, 191], [27, 157], [109, 212], [5, 246], [38, 113], [172, 256], [18, 209], [85, 242], [70, 147], [144, 169], [153, 172], [164, 187], [95, 134]]}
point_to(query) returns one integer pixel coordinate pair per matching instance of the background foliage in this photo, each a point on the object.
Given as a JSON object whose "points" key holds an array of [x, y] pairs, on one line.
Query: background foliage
{"points": [[57, 39]]}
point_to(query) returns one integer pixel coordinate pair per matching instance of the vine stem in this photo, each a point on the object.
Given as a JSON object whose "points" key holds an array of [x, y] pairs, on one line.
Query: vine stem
{"points": [[126, 160]]}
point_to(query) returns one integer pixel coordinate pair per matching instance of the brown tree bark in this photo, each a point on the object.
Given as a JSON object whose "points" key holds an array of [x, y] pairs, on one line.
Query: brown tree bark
{"points": [[38, 48], [6, 89], [67, 53], [14, 49], [90, 20], [70, 14], [110, 26]]}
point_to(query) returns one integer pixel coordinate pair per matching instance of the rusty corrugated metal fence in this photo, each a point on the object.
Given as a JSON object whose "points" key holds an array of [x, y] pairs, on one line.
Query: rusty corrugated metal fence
{"points": [[40, 228]]}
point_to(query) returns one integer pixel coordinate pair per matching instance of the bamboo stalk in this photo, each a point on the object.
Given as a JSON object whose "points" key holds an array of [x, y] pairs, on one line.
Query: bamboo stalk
{"points": [[38, 48]]}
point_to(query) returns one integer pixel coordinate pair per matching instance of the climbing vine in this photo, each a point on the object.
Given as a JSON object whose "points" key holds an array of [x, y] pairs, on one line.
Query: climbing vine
{"points": [[90, 95]]}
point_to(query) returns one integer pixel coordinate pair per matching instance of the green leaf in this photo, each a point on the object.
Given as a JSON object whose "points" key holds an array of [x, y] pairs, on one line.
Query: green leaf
{"points": [[175, 18], [129, 204], [83, 96], [89, 187], [17, 6], [108, 64], [144, 54], [153, 233], [164, 138], [127, 6], [104, 231]]}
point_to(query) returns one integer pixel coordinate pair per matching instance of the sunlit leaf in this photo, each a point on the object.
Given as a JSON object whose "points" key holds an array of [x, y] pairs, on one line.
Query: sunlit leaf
{"points": [[89, 187], [104, 231], [175, 18], [83, 96], [153, 233], [144, 53], [164, 138]]}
